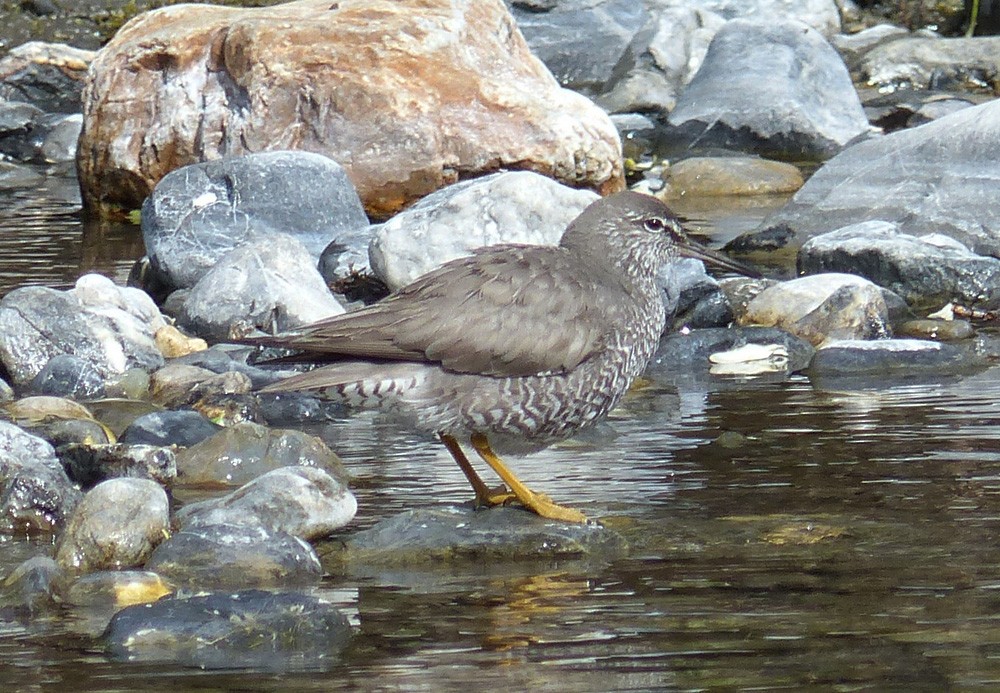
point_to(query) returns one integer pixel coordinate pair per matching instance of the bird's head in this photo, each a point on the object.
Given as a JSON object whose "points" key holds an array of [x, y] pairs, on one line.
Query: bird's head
{"points": [[637, 233]]}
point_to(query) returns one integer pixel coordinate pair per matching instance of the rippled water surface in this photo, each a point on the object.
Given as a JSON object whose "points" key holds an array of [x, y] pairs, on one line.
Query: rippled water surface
{"points": [[782, 535]]}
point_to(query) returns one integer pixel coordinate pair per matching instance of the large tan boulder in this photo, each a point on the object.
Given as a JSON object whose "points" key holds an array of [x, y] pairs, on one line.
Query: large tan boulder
{"points": [[408, 95]]}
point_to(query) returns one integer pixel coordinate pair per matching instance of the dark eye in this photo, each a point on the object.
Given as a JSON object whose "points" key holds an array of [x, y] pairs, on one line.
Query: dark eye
{"points": [[654, 225]]}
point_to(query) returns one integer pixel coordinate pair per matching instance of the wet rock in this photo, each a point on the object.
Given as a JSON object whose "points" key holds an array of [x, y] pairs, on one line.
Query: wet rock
{"points": [[458, 93], [692, 296], [199, 213], [36, 496], [519, 207], [177, 384], [250, 629], [118, 414], [60, 432], [269, 282], [88, 465], [115, 526], [288, 408], [107, 326], [737, 175], [938, 178], [822, 307], [941, 330], [430, 535], [889, 357], [38, 409], [241, 453], [305, 502], [686, 357], [132, 384], [32, 587], [116, 589], [811, 108], [66, 375], [227, 556], [920, 62], [48, 75], [183, 428], [927, 271]]}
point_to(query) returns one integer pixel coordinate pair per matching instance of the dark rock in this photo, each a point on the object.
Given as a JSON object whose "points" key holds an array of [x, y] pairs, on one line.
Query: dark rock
{"points": [[59, 432], [430, 535], [889, 357], [227, 556], [115, 526], [938, 178], [241, 453], [88, 465], [183, 428], [32, 587], [305, 502], [199, 213], [922, 62], [65, 375], [36, 496], [248, 630], [810, 108], [927, 272]]}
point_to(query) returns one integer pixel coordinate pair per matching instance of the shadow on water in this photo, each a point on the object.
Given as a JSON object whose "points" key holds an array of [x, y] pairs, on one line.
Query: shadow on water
{"points": [[782, 535]]}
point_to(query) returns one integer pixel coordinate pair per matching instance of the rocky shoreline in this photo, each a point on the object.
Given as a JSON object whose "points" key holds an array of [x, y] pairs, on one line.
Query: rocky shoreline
{"points": [[115, 401]]}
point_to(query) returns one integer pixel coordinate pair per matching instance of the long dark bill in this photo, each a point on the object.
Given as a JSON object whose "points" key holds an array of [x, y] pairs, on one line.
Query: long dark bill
{"points": [[690, 248]]}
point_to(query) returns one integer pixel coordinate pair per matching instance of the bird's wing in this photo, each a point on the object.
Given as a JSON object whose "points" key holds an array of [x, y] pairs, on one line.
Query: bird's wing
{"points": [[519, 311]]}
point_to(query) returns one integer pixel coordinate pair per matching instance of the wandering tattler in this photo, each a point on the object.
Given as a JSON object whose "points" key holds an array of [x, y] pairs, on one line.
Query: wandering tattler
{"points": [[513, 344]]}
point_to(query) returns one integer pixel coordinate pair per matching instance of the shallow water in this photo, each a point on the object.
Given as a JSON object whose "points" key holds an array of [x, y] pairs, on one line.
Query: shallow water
{"points": [[782, 536]]}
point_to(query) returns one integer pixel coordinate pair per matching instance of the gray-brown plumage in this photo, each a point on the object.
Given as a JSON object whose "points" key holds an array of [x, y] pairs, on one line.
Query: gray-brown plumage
{"points": [[512, 344]]}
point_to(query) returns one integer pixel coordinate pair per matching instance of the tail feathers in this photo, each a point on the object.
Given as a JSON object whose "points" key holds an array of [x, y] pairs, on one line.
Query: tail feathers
{"points": [[358, 381]]}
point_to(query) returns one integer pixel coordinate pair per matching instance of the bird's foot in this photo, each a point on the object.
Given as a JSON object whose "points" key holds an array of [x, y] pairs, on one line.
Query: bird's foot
{"points": [[543, 506], [495, 497]]}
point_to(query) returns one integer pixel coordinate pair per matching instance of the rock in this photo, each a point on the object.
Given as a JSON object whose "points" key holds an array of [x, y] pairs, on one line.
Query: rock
{"points": [[250, 630], [66, 375], [177, 384], [432, 535], [90, 464], [888, 357], [118, 414], [443, 91], [116, 525], [305, 502], [117, 589], [199, 213], [183, 428], [775, 88], [685, 357], [174, 344], [239, 454], [36, 496], [821, 15], [736, 175], [230, 556], [939, 330], [927, 272], [48, 75], [822, 307], [517, 207], [269, 282], [60, 432], [691, 296], [938, 178], [107, 326], [853, 47], [922, 62], [32, 587], [29, 135]]}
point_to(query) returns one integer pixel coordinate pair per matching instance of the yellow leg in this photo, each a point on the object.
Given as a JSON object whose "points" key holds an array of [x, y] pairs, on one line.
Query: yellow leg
{"points": [[485, 496], [535, 502]]}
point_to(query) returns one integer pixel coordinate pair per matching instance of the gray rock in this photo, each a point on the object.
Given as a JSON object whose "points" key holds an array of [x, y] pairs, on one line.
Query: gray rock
{"points": [[927, 272], [924, 62], [853, 47], [47, 75], [110, 327], [66, 375], [227, 556], [32, 586], [90, 464], [36, 496], [116, 525], [305, 502], [888, 357], [822, 307], [250, 630], [183, 428], [239, 454], [556, 36], [774, 88], [269, 282], [684, 357], [517, 207], [821, 15], [941, 177], [692, 296], [199, 213], [431, 535]]}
